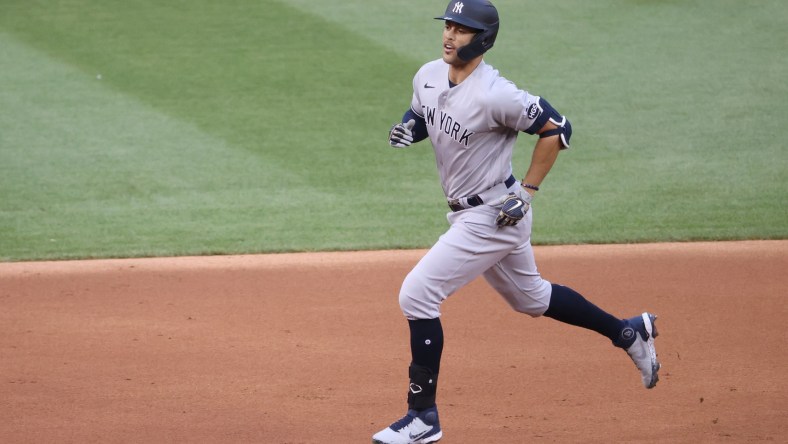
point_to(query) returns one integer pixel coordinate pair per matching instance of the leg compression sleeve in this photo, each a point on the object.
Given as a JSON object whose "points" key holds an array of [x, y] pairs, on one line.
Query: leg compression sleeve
{"points": [[426, 345], [426, 342], [569, 307]]}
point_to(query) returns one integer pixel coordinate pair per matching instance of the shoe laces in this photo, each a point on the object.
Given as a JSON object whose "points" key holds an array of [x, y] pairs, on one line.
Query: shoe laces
{"points": [[404, 421]]}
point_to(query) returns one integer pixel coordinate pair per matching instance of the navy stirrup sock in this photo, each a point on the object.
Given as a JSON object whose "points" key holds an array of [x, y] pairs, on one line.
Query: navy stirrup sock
{"points": [[426, 342], [568, 306], [426, 347]]}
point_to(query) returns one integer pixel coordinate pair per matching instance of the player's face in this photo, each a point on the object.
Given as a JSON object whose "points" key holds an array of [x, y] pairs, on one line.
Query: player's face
{"points": [[455, 36]]}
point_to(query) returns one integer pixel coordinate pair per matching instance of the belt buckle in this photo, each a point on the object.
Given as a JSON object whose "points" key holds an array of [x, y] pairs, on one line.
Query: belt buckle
{"points": [[455, 205]]}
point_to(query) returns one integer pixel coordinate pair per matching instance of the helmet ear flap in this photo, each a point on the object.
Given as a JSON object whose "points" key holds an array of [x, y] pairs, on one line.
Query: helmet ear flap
{"points": [[480, 44]]}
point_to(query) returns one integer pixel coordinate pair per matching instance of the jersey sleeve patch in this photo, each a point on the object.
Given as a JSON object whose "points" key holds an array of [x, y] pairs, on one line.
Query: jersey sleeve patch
{"points": [[535, 115]]}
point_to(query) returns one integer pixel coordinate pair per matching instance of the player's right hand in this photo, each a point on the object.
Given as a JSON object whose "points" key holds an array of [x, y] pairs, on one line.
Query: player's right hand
{"points": [[513, 210], [401, 136]]}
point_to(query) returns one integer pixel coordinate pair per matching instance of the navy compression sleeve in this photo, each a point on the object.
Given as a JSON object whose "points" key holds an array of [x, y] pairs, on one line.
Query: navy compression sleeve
{"points": [[420, 129]]}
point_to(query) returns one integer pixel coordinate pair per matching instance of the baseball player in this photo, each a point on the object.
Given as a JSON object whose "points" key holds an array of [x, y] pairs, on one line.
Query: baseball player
{"points": [[472, 117]]}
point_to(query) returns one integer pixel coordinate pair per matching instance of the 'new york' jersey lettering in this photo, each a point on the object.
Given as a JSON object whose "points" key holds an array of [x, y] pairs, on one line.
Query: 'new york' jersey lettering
{"points": [[452, 128], [473, 126]]}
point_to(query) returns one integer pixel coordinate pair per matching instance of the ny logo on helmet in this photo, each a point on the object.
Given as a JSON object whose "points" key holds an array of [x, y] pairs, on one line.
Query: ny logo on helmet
{"points": [[458, 7]]}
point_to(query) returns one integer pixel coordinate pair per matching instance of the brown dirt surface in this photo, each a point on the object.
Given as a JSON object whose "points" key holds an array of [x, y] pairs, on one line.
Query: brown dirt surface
{"points": [[312, 348]]}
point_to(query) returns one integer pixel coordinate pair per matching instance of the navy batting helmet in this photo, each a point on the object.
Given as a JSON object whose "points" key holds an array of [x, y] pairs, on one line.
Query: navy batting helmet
{"points": [[480, 15]]}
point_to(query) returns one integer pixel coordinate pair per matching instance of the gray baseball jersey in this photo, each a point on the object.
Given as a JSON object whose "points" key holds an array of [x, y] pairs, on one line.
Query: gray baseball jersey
{"points": [[473, 126]]}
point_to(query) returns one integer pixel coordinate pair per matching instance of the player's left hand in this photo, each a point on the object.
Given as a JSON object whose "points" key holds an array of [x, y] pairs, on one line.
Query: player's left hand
{"points": [[401, 136], [513, 210]]}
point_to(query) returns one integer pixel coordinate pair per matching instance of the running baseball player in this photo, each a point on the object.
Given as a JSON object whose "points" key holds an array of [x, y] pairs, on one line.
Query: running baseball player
{"points": [[472, 117]]}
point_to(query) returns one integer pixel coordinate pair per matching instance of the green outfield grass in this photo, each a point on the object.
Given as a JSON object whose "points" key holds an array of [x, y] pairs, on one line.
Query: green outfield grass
{"points": [[171, 128]]}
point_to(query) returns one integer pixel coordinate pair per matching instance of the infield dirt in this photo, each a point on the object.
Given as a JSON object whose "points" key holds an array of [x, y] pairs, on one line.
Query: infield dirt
{"points": [[312, 348]]}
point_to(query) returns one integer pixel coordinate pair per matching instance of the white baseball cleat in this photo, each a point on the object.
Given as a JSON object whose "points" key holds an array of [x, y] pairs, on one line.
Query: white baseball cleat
{"points": [[642, 350], [414, 428]]}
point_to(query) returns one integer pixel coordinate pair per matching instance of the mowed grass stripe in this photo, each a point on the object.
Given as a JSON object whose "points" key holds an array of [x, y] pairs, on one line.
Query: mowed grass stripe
{"points": [[86, 169]]}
